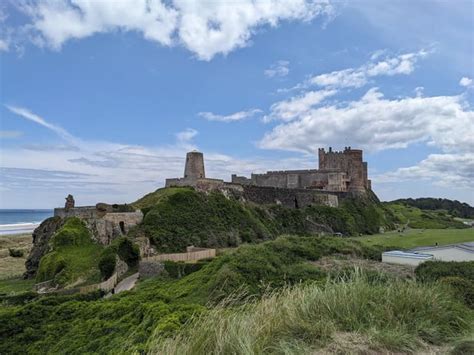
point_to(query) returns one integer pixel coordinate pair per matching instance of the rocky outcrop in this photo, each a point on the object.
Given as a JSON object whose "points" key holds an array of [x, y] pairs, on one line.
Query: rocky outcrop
{"points": [[41, 237]]}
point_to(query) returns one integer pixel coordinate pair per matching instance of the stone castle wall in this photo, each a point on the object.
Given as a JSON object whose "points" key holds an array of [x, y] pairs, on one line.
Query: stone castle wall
{"points": [[104, 226], [288, 197]]}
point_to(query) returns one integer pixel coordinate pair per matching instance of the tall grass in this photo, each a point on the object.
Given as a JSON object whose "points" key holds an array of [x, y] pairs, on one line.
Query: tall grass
{"points": [[399, 316]]}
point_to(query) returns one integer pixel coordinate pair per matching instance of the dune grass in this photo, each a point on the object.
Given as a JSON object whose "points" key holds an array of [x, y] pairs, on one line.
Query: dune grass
{"points": [[419, 237], [395, 316]]}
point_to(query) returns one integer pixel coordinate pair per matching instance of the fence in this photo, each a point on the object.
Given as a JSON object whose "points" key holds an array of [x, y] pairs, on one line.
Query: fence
{"points": [[188, 256], [106, 286]]}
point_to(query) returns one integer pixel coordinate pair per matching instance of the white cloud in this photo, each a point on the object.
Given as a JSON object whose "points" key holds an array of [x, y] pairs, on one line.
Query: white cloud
{"points": [[375, 123], [25, 113], [184, 138], [465, 81], [237, 116], [4, 45], [446, 170], [10, 134], [358, 77], [295, 107], [278, 69], [205, 28]]}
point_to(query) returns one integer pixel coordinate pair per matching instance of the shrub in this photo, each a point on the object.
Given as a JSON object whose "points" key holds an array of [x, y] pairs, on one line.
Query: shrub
{"points": [[178, 270], [395, 316], [127, 251], [462, 287], [107, 263], [16, 253], [434, 270], [73, 232]]}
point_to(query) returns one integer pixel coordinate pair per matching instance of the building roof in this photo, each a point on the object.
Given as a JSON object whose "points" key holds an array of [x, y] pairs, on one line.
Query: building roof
{"points": [[467, 246], [407, 254]]}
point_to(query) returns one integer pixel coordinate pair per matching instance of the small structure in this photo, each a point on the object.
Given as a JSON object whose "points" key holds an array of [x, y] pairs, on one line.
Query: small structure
{"points": [[450, 252], [70, 203], [106, 222], [405, 258]]}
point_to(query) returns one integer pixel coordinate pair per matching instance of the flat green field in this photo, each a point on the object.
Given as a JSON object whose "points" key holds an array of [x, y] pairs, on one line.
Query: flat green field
{"points": [[419, 237]]}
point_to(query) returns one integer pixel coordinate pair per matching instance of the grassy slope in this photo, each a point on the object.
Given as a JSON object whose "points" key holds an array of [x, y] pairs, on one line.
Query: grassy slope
{"points": [[176, 218], [419, 237], [74, 256], [71, 324], [417, 218], [159, 307], [395, 316]]}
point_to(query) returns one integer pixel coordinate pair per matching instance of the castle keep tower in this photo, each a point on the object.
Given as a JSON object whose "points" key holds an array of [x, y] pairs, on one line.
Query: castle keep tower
{"points": [[194, 168], [350, 161]]}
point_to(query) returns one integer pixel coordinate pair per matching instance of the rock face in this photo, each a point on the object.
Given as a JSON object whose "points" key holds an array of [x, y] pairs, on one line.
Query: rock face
{"points": [[41, 237]]}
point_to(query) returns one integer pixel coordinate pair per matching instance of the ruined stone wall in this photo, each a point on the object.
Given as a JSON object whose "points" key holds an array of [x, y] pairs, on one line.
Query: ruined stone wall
{"points": [[292, 179], [291, 198], [104, 226]]}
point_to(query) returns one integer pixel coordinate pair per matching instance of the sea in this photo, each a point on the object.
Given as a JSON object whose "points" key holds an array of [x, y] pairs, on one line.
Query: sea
{"points": [[21, 221]]}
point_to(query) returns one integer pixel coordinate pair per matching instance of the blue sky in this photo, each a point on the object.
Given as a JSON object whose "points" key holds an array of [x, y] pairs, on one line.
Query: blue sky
{"points": [[102, 99]]}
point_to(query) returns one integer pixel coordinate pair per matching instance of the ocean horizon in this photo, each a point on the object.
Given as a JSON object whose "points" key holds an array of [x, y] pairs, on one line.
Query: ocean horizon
{"points": [[21, 221]]}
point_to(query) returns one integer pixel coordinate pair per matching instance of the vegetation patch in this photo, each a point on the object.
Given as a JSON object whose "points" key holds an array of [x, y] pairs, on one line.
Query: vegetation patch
{"points": [[395, 316], [74, 256], [183, 217]]}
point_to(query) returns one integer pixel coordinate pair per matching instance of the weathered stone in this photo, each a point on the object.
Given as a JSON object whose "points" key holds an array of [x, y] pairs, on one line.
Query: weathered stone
{"points": [[70, 203], [150, 268], [41, 237]]}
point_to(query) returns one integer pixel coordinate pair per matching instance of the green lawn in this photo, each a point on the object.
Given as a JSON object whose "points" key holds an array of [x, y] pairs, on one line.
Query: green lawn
{"points": [[419, 237], [16, 285]]}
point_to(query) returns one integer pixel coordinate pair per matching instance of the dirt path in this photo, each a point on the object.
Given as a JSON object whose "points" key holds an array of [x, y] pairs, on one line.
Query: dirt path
{"points": [[126, 284]]}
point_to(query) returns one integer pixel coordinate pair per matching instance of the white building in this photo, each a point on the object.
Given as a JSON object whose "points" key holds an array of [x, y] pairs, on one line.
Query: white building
{"points": [[451, 252], [405, 258]]}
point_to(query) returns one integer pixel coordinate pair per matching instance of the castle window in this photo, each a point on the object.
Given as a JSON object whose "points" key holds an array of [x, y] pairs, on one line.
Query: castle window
{"points": [[122, 226]]}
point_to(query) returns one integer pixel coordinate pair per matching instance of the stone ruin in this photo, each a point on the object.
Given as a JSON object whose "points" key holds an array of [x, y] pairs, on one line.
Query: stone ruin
{"points": [[339, 174], [106, 222]]}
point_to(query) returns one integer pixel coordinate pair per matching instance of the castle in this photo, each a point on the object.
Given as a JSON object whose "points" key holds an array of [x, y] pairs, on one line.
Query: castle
{"points": [[340, 174]]}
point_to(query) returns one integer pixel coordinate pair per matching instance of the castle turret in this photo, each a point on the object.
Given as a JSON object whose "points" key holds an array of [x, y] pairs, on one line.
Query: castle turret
{"points": [[194, 168]]}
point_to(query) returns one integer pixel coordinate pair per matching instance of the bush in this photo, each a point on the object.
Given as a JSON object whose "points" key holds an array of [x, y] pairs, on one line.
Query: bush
{"points": [[434, 270], [178, 270], [107, 263], [16, 253], [396, 316], [462, 287], [127, 251]]}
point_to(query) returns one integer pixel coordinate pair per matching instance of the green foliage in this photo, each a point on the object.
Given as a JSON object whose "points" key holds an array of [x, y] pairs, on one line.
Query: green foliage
{"points": [[185, 217], [435, 270], [463, 288], [455, 208], [74, 256], [158, 307], [396, 316], [73, 232], [465, 347], [127, 251], [424, 219], [107, 263], [177, 270], [15, 253], [188, 217], [153, 198]]}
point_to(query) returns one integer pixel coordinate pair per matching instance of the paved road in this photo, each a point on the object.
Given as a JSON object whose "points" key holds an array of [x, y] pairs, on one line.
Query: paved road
{"points": [[127, 283]]}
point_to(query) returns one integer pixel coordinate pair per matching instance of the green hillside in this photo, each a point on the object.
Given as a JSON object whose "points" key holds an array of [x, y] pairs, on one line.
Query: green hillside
{"points": [[306, 318], [454, 208], [73, 258], [176, 218], [423, 219]]}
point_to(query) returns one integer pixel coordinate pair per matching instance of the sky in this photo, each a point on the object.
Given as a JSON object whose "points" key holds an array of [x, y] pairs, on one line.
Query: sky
{"points": [[102, 99]]}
